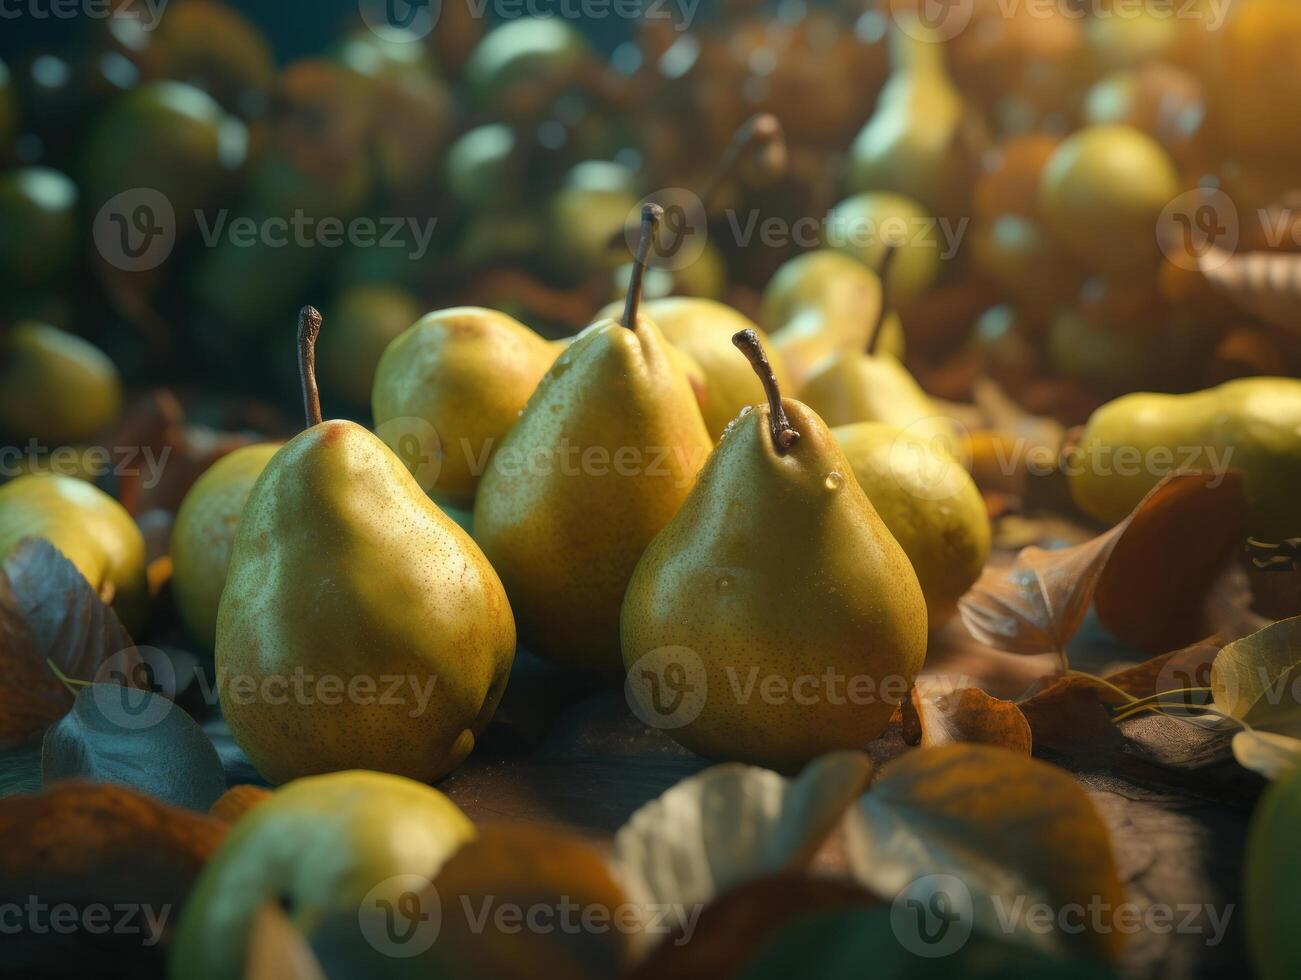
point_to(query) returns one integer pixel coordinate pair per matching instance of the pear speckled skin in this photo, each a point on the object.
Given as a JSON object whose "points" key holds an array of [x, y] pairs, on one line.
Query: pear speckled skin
{"points": [[92, 530], [344, 568], [1251, 424], [777, 566], [930, 504], [821, 303], [319, 845], [856, 387], [561, 514], [204, 533], [467, 372]]}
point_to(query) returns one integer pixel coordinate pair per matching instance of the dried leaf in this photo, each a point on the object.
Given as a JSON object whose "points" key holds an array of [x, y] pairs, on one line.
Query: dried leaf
{"points": [[86, 845], [237, 801], [732, 823], [1257, 679], [1265, 284], [120, 735], [278, 951], [1266, 753], [1007, 833], [941, 711], [49, 613], [1038, 604]]}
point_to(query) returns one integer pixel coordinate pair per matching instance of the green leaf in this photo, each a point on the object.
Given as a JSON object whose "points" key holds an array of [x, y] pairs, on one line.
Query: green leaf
{"points": [[134, 738], [1257, 679]]}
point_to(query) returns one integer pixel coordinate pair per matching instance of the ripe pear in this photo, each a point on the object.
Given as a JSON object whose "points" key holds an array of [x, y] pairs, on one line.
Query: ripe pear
{"points": [[343, 570], [929, 503], [804, 621], [370, 317], [606, 451], [38, 227], [867, 225], [465, 374], [910, 146], [56, 387], [823, 302], [871, 385], [320, 846], [204, 533], [1251, 424], [93, 531]]}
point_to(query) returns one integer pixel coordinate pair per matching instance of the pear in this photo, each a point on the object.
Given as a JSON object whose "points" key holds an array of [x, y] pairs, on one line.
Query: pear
{"points": [[56, 387], [822, 303], [449, 389], [606, 451], [911, 145], [93, 531], [929, 503], [204, 533], [873, 386], [868, 225], [320, 846], [370, 317], [797, 615], [360, 627]]}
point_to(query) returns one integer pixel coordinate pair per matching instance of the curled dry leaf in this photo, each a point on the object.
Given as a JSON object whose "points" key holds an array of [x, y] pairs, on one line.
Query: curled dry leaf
{"points": [[1257, 679], [733, 823], [939, 712], [121, 735], [278, 951], [1265, 284], [1149, 574], [1016, 833], [1266, 753], [50, 614], [237, 801], [88, 844]]}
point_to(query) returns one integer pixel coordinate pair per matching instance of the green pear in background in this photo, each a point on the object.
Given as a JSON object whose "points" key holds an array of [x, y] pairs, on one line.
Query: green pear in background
{"points": [[343, 570], [56, 387], [319, 847], [1251, 424], [776, 597], [606, 451]]}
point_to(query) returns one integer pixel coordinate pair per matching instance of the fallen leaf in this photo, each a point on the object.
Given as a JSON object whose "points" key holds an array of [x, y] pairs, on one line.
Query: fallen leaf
{"points": [[1269, 754], [116, 734], [732, 823], [1038, 604], [237, 801], [89, 845], [1011, 834], [49, 613], [1257, 681], [941, 711]]}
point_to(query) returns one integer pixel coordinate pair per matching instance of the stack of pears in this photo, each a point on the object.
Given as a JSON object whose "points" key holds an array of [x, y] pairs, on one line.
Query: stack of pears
{"points": [[606, 451], [345, 573], [777, 574]]}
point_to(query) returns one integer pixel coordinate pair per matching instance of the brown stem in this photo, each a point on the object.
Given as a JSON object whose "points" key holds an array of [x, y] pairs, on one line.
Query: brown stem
{"points": [[650, 220], [784, 435], [309, 328], [761, 134], [878, 328]]}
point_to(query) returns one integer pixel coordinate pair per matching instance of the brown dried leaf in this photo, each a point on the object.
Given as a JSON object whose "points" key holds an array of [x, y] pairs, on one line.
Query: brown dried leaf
{"points": [[1265, 284], [940, 712], [48, 612], [87, 844]]}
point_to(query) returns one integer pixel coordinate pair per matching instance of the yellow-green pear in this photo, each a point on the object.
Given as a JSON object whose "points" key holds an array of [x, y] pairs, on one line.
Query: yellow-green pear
{"points": [[867, 384], [92, 530], [1251, 424], [868, 225], [776, 608], [319, 848], [911, 144], [204, 533], [606, 451], [449, 389], [929, 503], [821, 303], [360, 627], [369, 318], [56, 387]]}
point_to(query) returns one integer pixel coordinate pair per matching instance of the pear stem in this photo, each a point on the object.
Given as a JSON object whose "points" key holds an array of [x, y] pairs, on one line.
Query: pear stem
{"points": [[309, 328], [650, 220], [763, 135], [784, 435], [878, 328]]}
